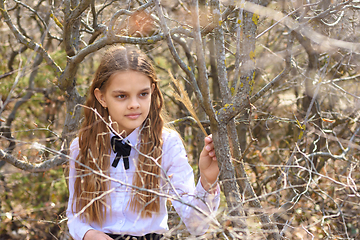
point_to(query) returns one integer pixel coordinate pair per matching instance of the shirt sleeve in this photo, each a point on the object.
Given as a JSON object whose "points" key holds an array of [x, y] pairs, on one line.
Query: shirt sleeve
{"points": [[196, 207], [77, 226]]}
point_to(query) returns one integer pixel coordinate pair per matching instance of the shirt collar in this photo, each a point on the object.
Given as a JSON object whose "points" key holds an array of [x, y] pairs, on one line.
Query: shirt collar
{"points": [[132, 137]]}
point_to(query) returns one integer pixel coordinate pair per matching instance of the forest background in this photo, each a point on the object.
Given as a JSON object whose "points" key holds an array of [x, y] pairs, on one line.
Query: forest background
{"points": [[275, 82]]}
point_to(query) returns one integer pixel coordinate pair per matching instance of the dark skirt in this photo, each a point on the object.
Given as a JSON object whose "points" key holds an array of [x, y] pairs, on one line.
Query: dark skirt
{"points": [[150, 236]]}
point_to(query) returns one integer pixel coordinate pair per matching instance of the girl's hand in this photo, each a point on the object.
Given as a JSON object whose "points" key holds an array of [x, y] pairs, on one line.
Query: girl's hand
{"points": [[208, 165], [93, 234]]}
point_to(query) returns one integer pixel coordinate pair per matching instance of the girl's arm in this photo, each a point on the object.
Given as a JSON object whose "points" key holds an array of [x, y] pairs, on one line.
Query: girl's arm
{"points": [[193, 198], [208, 166]]}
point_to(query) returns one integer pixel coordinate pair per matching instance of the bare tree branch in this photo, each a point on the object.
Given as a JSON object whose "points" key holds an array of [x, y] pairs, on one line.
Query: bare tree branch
{"points": [[34, 46], [58, 160]]}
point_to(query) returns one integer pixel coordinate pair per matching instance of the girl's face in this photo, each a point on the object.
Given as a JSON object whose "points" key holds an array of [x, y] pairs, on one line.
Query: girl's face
{"points": [[127, 98]]}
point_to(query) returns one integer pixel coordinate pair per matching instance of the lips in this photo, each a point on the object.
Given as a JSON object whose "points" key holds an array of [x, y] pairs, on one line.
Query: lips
{"points": [[133, 116]]}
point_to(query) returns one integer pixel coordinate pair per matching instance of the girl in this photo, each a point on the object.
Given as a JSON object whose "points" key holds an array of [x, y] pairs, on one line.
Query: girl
{"points": [[125, 165]]}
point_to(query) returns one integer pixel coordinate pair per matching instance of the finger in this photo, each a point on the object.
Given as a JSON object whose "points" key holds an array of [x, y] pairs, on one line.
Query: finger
{"points": [[208, 139], [209, 147]]}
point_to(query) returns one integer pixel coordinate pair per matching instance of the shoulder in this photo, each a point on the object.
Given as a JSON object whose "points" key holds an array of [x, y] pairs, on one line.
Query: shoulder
{"points": [[74, 148], [74, 144], [74, 152], [172, 142], [174, 153], [171, 136]]}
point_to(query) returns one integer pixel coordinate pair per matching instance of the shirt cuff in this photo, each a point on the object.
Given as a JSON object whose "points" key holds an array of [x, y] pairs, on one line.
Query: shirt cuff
{"points": [[78, 232], [213, 197], [84, 230]]}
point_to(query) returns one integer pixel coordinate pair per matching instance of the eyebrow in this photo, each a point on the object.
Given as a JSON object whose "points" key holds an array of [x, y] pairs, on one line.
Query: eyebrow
{"points": [[121, 91]]}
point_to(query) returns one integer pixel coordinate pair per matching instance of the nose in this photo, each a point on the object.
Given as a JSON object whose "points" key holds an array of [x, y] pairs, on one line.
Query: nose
{"points": [[134, 103]]}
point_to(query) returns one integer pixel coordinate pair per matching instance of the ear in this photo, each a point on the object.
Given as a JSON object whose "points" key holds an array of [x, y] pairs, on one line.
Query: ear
{"points": [[152, 87], [100, 97]]}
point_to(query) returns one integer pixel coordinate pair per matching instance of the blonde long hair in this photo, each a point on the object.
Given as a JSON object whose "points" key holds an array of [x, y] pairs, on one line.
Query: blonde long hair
{"points": [[94, 145]]}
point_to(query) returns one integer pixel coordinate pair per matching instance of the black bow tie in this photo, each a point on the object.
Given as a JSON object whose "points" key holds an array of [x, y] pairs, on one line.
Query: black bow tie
{"points": [[121, 148]]}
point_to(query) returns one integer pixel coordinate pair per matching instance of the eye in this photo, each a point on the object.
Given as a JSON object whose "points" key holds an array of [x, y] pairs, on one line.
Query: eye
{"points": [[144, 94], [121, 96]]}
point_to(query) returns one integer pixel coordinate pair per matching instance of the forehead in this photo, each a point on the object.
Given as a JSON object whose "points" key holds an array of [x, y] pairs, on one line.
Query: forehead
{"points": [[126, 80]]}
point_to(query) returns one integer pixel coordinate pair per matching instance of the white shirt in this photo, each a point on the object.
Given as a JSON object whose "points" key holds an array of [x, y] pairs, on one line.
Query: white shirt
{"points": [[121, 220]]}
